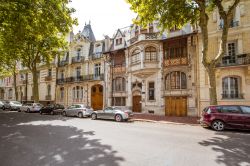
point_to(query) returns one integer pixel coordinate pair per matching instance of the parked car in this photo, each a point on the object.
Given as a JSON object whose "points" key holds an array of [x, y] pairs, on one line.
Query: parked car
{"points": [[12, 105], [222, 117], [52, 109], [79, 110], [115, 113], [1, 104], [31, 107]]}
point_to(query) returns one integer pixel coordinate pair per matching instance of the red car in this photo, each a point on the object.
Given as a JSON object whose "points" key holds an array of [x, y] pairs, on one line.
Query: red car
{"points": [[220, 117]]}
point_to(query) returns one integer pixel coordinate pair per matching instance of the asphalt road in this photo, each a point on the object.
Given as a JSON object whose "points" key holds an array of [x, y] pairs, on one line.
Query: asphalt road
{"points": [[44, 140]]}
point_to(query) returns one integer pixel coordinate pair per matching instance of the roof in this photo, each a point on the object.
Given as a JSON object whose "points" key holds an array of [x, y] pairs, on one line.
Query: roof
{"points": [[88, 33]]}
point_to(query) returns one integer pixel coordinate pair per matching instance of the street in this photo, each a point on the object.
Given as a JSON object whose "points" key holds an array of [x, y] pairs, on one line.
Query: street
{"points": [[30, 139]]}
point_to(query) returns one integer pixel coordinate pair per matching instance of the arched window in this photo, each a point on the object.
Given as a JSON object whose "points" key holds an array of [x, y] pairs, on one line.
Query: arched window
{"points": [[150, 54], [135, 57], [176, 80], [231, 88], [119, 84]]}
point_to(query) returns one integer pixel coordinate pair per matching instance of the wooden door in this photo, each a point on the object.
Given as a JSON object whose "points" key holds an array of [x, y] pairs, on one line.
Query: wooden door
{"points": [[176, 106], [97, 97], [136, 103]]}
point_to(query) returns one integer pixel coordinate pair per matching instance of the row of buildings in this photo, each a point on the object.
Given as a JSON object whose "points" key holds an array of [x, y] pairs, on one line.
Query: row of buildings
{"points": [[144, 70]]}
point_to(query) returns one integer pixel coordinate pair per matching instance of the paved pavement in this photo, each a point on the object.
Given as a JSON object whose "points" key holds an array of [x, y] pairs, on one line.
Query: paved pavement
{"points": [[44, 140]]}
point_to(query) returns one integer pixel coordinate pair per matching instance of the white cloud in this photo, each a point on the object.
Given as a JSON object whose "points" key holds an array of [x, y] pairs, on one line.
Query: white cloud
{"points": [[106, 16]]}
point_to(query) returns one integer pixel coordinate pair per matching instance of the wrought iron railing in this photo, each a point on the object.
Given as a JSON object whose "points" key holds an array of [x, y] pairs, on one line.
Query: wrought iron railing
{"points": [[77, 59], [241, 59], [232, 96]]}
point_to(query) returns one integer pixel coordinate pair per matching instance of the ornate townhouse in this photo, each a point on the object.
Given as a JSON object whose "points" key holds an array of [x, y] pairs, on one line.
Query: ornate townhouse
{"points": [[153, 73], [233, 72], [80, 73]]}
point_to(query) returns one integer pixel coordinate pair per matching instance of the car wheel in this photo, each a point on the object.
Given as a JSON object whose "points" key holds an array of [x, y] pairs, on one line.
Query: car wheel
{"points": [[94, 116], [218, 125], [28, 110], [18, 110], [80, 115], [64, 113], [118, 118], [3, 108], [41, 112], [52, 113]]}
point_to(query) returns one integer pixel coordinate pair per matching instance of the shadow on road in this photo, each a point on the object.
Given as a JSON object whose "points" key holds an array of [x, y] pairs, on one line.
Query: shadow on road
{"points": [[24, 144], [233, 147]]}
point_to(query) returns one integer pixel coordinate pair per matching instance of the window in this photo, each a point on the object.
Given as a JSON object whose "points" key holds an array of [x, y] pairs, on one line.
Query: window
{"points": [[119, 101], [135, 58], [150, 54], [118, 41], [77, 93], [231, 49], [78, 72], [49, 72], [97, 70], [231, 109], [231, 89], [245, 109], [48, 90], [62, 74], [151, 91], [119, 84], [61, 93], [78, 54], [176, 80]]}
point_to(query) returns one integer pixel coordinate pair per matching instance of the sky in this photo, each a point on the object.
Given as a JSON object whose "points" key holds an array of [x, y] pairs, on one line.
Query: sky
{"points": [[106, 16]]}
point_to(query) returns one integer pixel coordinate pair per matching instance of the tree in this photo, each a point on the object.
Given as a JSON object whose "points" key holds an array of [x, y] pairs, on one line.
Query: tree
{"points": [[40, 26], [172, 13]]}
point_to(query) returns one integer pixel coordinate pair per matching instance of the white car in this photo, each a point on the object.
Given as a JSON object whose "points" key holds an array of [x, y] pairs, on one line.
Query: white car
{"points": [[31, 107], [12, 105]]}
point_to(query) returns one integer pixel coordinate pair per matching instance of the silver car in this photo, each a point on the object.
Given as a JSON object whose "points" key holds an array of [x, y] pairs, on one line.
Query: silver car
{"points": [[12, 105], [79, 110], [31, 107], [115, 113]]}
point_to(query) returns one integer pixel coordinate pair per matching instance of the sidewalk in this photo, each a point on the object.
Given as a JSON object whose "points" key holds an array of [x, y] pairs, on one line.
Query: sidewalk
{"points": [[165, 119]]}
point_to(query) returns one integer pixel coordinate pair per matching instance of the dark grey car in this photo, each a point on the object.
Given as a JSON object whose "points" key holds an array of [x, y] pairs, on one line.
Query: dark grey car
{"points": [[115, 113]]}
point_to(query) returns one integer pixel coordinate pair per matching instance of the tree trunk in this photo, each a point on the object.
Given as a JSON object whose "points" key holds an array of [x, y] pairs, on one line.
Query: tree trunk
{"points": [[35, 85], [15, 87], [212, 88]]}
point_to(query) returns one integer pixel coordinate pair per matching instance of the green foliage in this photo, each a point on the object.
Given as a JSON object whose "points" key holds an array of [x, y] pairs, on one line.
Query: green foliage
{"points": [[169, 13]]}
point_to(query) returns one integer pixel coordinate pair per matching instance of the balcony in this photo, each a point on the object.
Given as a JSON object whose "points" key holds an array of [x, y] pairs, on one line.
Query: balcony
{"points": [[63, 63], [22, 82], [145, 36], [48, 97], [96, 56], [48, 78], [232, 24], [60, 81], [232, 96], [176, 61], [238, 60], [78, 59], [117, 69]]}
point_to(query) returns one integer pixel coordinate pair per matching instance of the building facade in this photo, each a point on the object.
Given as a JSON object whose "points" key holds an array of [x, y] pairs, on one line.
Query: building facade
{"points": [[145, 70]]}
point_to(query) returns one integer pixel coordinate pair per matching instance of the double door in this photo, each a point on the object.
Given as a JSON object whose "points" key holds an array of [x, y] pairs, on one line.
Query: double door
{"points": [[176, 106]]}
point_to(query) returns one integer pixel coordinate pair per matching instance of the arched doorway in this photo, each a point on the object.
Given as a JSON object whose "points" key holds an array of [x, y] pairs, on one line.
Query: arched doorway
{"points": [[97, 97]]}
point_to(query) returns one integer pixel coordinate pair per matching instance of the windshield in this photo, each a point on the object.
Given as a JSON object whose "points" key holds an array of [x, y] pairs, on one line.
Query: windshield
{"points": [[16, 102]]}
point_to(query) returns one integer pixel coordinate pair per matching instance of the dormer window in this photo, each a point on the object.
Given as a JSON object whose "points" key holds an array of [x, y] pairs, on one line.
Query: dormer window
{"points": [[118, 41]]}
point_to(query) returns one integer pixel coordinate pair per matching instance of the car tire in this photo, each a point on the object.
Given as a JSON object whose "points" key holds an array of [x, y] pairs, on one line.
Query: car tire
{"points": [[18, 110], [93, 116], [41, 112], [80, 115], [64, 113], [3, 108], [118, 118], [218, 125], [52, 113], [28, 110]]}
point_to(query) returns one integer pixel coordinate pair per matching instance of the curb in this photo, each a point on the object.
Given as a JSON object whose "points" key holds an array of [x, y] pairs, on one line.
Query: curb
{"points": [[163, 122]]}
